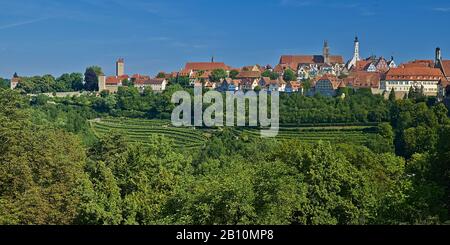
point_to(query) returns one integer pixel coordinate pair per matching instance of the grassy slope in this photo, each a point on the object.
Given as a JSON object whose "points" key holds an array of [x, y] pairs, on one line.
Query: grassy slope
{"points": [[138, 130]]}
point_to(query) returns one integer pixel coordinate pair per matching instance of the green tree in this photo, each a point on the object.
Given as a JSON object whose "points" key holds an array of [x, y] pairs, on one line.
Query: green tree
{"points": [[161, 75], [306, 83], [69, 82], [392, 97], [289, 75], [272, 75], [127, 83], [233, 74], [91, 78], [218, 74], [4, 83], [41, 169]]}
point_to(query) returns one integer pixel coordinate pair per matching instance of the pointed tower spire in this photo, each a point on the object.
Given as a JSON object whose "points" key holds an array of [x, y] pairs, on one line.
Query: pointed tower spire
{"points": [[356, 56]]}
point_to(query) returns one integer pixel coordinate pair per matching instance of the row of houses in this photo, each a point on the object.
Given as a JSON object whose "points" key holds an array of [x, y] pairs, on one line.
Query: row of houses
{"points": [[112, 83], [271, 85], [324, 74]]}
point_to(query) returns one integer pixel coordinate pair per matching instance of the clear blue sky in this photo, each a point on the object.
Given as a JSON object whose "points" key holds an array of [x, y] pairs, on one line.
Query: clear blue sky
{"points": [[57, 36]]}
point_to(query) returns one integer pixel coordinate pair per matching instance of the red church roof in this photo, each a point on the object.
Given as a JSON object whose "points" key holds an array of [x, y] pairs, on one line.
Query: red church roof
{"points": [[206, 66]]}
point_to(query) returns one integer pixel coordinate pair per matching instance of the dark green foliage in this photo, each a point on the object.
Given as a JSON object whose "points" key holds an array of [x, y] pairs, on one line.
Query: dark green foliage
{"points": [[48, 84], [4, 83], [180, 80], [271, 74], [233, 74], [217, 75], [359, 107], [53, 171], [91, 78], [289, 75]]}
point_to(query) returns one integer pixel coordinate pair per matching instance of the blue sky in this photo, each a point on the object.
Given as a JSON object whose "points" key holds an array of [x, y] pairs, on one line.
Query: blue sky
{"points": [[57, 36]]}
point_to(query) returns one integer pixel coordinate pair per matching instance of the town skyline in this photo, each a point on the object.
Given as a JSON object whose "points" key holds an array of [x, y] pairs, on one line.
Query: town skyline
{"points": [[110, 69], [155, 36]]}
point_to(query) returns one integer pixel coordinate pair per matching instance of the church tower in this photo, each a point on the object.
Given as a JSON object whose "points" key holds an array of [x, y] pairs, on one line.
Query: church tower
{"points": [[326, 53], [120, 67], [356, 53], [438, 58], [356, 56]]}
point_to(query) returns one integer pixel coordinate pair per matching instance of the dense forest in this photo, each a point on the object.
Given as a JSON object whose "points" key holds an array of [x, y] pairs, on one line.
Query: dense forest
{"points": [[54, 170]]}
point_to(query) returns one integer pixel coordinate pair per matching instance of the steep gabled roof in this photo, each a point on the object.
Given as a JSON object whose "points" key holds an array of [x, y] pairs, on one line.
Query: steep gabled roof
{"points": [[335, 82], [419, 63], [206, 66], [301, 59], [282, 67], [446, 67], [414, 73], [249, 74], [310, 59], [113, 80], [155, 81], [362, 79]]}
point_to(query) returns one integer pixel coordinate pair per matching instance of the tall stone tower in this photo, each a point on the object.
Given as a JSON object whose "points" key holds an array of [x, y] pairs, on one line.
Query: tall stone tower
{"points": [[356, 56], [356, 53], [326, 53], [438, 58], [101, 83], [120, 67]]}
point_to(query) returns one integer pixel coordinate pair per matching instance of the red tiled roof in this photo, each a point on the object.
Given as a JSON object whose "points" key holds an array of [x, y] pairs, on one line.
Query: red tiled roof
{"points": [[362, 65], [184, 72], [139, 79], [336, 59], [446, 67], [123, 77], [268, 81], [249, 74], [278, 81], [206, 66], [300, 59], [282, 67], [310, 59], [363, 79], [156, 81], [335, 82], [249, 68], [204, 74], [419, 63], [113, 80], [414, 73]]}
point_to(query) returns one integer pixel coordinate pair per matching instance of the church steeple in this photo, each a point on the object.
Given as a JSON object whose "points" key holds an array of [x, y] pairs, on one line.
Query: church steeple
{"points": [[356, 56], [326, 52], [356, 53], [438, 58]]}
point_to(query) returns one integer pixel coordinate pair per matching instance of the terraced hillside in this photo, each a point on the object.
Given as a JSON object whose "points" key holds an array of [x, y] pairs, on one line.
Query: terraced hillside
{"points": [[138, 130], [340, 134]]}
